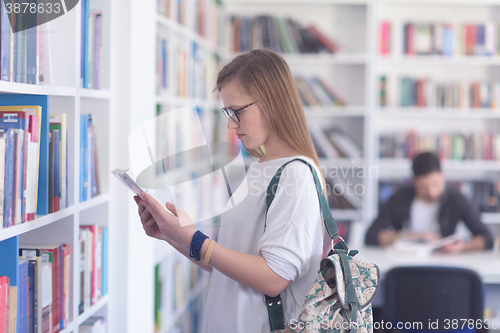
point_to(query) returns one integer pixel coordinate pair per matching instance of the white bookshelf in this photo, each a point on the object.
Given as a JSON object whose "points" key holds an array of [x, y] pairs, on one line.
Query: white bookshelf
{"points": [[67, 96]]}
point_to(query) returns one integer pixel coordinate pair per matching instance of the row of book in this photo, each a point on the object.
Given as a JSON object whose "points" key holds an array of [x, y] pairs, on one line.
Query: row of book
{"points": [[93, 245], [24, 144], [204, 17], [315, 91], [451, 146], [91, 46], [284, 35], [333, 142], [25, 54], [484, 195], [89, 171], [175, 279], [445, 39], [40, 300], [194, 70], [418, 92]]}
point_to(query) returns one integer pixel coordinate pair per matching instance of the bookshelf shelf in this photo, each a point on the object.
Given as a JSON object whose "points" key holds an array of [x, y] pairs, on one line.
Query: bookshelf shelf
{"points": [[301, 2], [341, 162], [92, 310], [35, 224], [94, 93], [190, 35], [335, 111], [448, 165], [438, 61], [98, 200], [440, 2], [22, 88], [70, 328], [186, 101], [467, 113]]}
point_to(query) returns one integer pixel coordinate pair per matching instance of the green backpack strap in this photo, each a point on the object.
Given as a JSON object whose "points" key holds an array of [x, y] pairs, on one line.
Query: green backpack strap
{"points": [[274, 304], [330, 224]]}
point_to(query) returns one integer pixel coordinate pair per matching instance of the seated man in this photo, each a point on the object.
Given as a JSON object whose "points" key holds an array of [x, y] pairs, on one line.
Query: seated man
{"points": [[428, 210]]}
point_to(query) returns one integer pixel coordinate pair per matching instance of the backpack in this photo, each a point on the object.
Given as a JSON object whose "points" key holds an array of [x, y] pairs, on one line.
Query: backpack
{"points": [[340, 298]]}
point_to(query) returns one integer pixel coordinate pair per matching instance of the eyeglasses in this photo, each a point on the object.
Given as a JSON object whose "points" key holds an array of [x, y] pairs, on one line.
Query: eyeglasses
{"points": [[234, 113]]}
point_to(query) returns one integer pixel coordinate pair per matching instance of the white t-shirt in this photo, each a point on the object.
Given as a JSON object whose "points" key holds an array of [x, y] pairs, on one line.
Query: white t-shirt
{"points": [[424, 216], [292, 246]]}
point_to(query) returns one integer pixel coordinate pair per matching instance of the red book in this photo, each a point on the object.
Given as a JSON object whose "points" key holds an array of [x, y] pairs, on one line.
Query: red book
{"points": [[323, 39], [385, 37], [410, 39], [66, 285], [4, 303], [470, 39]]}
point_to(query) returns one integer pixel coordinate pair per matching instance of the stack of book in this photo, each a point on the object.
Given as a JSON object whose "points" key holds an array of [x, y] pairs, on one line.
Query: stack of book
{"points": [[450, 146], [284, 35], [40, 301], [91, 47], [24, 54], [333, 142], [315, 91], [424, 92], [93, 244], [89, 172]]}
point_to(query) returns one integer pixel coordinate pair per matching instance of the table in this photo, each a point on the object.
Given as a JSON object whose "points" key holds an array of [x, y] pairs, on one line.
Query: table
{"points": [[485, 263]]}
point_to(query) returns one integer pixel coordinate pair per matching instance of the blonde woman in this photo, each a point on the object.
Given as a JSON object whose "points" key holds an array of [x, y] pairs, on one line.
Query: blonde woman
{"points": [[257, 255]]}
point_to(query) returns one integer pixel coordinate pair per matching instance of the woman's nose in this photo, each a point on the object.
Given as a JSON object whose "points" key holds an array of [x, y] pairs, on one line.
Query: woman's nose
{"points": [[231, 124]]}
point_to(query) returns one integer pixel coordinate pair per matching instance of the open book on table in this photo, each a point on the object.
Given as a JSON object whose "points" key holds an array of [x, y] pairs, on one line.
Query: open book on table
{"points": [[423, 247]]}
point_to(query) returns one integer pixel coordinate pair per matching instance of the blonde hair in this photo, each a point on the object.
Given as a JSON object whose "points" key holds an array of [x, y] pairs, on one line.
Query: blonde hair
{"points": [[266, 76]]}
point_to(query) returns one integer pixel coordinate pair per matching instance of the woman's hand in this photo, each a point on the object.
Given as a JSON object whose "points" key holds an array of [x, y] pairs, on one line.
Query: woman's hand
{"points": [[160, 223], [148, 222]]}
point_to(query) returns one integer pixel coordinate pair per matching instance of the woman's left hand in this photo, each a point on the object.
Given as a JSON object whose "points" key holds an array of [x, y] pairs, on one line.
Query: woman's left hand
{"points": [[169, 223]]}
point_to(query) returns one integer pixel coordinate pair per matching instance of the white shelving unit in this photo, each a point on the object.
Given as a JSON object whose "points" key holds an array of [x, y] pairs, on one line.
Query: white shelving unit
{"points": [[66, 96]]}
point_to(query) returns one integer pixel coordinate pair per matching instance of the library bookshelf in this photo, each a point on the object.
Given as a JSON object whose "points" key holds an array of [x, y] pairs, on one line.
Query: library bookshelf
{"points": [[64, 94]]}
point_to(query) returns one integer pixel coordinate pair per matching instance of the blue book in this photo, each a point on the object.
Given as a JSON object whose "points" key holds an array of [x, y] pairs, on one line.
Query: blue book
{"points": [[104, 261], [23, 297], [9, 178], [82, 50], [85, 184], [81, 159], [32, 318], [87, 43], [31, 46], [5, 47], [43, 164], [480, 39]]}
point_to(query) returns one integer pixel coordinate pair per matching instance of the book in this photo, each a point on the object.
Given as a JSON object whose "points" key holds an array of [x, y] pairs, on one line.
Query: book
{"points": [[421, 247]]}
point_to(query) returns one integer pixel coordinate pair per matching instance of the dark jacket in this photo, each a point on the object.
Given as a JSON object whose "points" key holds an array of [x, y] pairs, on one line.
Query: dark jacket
{"points": [[453, 207]]}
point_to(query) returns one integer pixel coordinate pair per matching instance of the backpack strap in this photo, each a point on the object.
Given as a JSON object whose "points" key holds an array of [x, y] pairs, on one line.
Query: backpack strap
{"points": [[274, 304], [330, 224]]}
